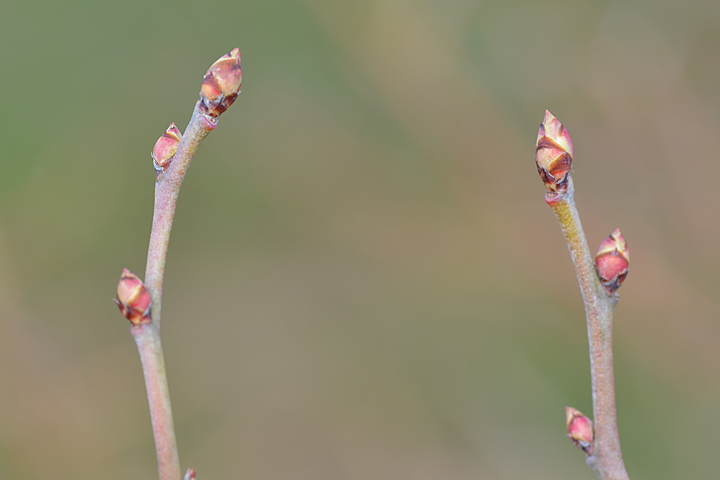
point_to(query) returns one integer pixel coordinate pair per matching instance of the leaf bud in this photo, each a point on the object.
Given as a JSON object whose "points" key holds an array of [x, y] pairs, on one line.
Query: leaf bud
{"points": [[133, 298], [613, 261], [553, 154], [221, 84], [165, 148], [580, 429]]}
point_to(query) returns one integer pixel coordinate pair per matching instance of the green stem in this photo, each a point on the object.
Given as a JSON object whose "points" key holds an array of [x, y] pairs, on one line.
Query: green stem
{"points": [[606, 459]]}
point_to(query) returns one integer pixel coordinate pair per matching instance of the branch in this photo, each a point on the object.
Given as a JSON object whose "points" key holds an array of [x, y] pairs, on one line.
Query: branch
{"points": [[141, 303], [554, 153]]}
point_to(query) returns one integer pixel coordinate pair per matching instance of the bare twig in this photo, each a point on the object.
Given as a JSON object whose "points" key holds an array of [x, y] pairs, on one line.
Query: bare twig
{"points": [[142, 303], [554, 159]]}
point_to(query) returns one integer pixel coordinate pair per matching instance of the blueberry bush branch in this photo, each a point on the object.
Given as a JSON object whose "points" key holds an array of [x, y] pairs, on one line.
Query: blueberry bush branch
{"points": [[141, 302], [599, 280]]}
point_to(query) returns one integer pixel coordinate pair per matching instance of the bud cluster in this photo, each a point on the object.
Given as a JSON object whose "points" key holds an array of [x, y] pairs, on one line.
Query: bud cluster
{"points": [[221, 84], [553, 154]]}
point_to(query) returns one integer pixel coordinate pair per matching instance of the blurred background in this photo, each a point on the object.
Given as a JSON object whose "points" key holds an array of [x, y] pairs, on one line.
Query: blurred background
{"points": [[364, 282]]}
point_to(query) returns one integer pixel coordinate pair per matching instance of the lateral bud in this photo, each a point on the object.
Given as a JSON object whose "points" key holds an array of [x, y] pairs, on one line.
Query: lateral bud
{"points": [[580, 430], [165, 148], [553, 154], [190, 474], [221, 84], [133, 299], [613, 261]]}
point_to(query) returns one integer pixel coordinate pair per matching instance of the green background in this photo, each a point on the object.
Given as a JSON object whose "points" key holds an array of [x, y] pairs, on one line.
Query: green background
{"points": [[364, 282]]}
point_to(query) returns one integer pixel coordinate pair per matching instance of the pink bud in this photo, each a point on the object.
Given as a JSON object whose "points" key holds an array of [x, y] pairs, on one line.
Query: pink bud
{"points": [[221, 84], [613, 261], [133, 298], [553, 153], [165, 148], [580, 429]]}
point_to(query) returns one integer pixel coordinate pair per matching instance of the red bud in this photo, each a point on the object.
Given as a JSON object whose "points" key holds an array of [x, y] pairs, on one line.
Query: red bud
{"points": [[580, 429], [221, 84], [613, 261], [553, 153], [165, 148], [133, 298]]}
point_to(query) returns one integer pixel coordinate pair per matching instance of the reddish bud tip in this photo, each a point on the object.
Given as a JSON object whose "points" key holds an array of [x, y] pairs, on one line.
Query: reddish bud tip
{"points": [[133, 299], [190, 474], [221, 84], [613, 261], [553, 153], [580, 429], [165, 148]]}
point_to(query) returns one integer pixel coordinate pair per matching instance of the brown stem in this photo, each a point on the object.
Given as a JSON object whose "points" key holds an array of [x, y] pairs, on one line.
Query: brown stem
{"points": [[167, 190], [147, 337], [153, 365], [606, 459]]}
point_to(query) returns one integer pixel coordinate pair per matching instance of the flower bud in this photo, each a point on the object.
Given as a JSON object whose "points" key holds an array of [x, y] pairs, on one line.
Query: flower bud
{"points": [[553, 154], [580, 429], [221, 84], [165, 148], [613, 261], [190, 474], [133, 298]]}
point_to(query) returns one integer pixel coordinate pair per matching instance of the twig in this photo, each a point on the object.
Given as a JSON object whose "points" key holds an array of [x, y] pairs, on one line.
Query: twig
{"points": [[142, 303], [554, 159]]}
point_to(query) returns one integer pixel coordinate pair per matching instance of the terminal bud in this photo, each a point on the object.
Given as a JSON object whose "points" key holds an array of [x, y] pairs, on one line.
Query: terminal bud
{"points": [[553, 154], [221, 84]]}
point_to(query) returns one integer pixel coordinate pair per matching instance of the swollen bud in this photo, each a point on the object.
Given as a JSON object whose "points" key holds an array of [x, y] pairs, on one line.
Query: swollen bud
{"points": [[580, 429], [133, 298], [190, 474], [613, 261], [553, 154], [165, 148], [221, 84]]}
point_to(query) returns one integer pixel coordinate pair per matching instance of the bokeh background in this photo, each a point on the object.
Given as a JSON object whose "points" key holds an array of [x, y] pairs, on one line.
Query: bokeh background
{"points": [[363, 282]]}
